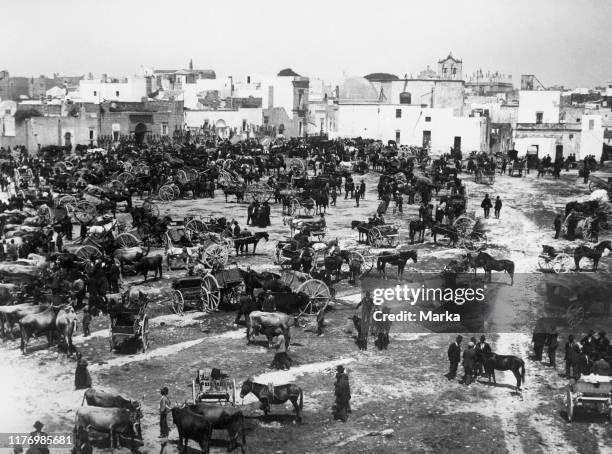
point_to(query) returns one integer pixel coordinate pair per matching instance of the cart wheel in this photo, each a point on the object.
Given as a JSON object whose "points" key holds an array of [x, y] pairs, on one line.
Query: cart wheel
{"points": [[570, 406], [376, 237], [127, 240], [215, 256], [144, 333], [87, 252], [574, 314], [544, 265], [194, 228], [150, 208], [178, 302], [562, 263], [211, 294], [318, 295], [295, 207], [166, 193]]}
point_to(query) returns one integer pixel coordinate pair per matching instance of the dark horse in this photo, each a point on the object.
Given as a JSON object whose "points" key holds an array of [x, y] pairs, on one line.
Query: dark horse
{"points": [[321, 201], [419, 227], [396, 259], [488, 263], [591, 253], [445, 230], [277, 395], [241, 242], [264, 280], [493, 362], [333, 264]]}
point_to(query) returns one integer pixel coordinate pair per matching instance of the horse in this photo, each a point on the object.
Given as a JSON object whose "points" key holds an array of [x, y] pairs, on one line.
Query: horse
{"points": [[591, 253], [417, 226], [489, 264], [275, 396], [493, 362], [446, 230], [396, 259], [241, 242], [333, 264], [265, 281], [321, 201]]}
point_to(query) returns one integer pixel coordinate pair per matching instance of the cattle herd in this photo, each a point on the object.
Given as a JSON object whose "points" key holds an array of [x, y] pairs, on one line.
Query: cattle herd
{"points": [[76, 224]]}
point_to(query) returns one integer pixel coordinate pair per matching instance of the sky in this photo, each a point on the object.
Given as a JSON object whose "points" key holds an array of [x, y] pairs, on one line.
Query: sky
{"points": [[562, 42]]}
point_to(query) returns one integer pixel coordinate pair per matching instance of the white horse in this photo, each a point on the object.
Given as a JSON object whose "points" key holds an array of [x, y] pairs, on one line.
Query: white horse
{"points": [[186, 254]]}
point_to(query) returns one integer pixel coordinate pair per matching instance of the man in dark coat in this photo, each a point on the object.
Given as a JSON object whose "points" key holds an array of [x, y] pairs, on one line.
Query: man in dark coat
{"points": [[454, 356], [569, 356], [82, 379], [582, 365], [41, 447], [539, 340], [469, 363], [342, 393], [250, 212], [482, 350], [553, 343], [558, 224], [486, 205], [498, 207]]}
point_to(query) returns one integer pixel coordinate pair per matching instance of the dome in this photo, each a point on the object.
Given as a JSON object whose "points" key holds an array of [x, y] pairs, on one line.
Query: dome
{"points": [[357, 88]]}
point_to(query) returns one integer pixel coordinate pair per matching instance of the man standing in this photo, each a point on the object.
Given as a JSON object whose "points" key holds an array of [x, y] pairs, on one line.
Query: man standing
{"points": [[281, 359], [498, 207], [366, 304], [553, 343], [569, 356], [250, 211], [557, 226], [41, 447], [469, 361], [82, 378], [362, 189], [86, 321], [486, 205], [454, 356], [482, 350], [539, 340], [342, 392], [334, 196], [165, 407]]}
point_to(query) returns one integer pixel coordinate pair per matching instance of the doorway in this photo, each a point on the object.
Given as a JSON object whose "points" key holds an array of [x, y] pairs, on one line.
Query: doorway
{"points": [[558, 152], [426, 138], [457, 144], [68, 140], [139, 133]]}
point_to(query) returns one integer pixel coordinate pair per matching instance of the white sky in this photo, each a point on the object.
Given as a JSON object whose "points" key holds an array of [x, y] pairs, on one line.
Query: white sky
{"points": [[560, 41]]}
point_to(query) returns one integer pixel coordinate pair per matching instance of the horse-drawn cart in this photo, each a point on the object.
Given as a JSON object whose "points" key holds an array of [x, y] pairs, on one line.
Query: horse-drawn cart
{"points": [[482, 176], [214, 388], [554, 261], [384, 236], [592, 392], [129, 322], [596, 182], [317, 291], [470, 232]]}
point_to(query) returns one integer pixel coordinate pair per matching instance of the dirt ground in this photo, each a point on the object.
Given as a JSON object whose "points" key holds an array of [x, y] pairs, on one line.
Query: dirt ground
{"points": [[402, 389]]}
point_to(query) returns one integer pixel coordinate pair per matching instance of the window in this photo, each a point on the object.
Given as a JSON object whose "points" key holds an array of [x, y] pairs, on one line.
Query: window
{"points": [[398, 113], [577, 120], [405, 98], [91, 134], [427, 119], [164, 129], [244, 125], [591, 125], [539, 117], [571, 136], [95, 93], [117, 94], [266, 119], [397, 137], [115, 136], [454, 71]]}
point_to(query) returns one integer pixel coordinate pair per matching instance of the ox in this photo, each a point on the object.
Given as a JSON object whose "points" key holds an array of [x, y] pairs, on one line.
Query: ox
{"points": [[66, 324], [269, 324], [114, 421], [153, 264], [35, 324], [9, 315], [192, 426], [224, 418], [97, 398]]}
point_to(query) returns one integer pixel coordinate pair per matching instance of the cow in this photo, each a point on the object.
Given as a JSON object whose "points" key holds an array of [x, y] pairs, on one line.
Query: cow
{"points": [[129, 255], [7, 292], [38, 323], [224, 418], [9, 315], [114, 421], [153, 263], [97, 398], [289, 303], [192, 426], [270, 324], [66, 324], [493, 362]]}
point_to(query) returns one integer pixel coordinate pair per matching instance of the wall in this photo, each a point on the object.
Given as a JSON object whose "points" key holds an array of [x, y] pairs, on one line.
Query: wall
{"points": [[547, 139], [431, 92], [531, 102], [231, 118], [131, 91], [592, 137], [379, 121]]}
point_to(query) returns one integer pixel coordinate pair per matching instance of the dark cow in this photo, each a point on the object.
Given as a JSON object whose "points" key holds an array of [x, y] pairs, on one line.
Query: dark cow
{"points": [[289, 303], [9, 315], [38, 323], [224, 418], [153, 263], [192, 426], [114, 421], [493, 362]]}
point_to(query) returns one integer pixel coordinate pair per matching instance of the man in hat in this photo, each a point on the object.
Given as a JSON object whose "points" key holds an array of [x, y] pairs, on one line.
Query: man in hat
{"points": [[357, 196], [41, 446], [342, 392], [482, 350], [570, 353], [454, 356], [165, 407], [362, 189]]}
